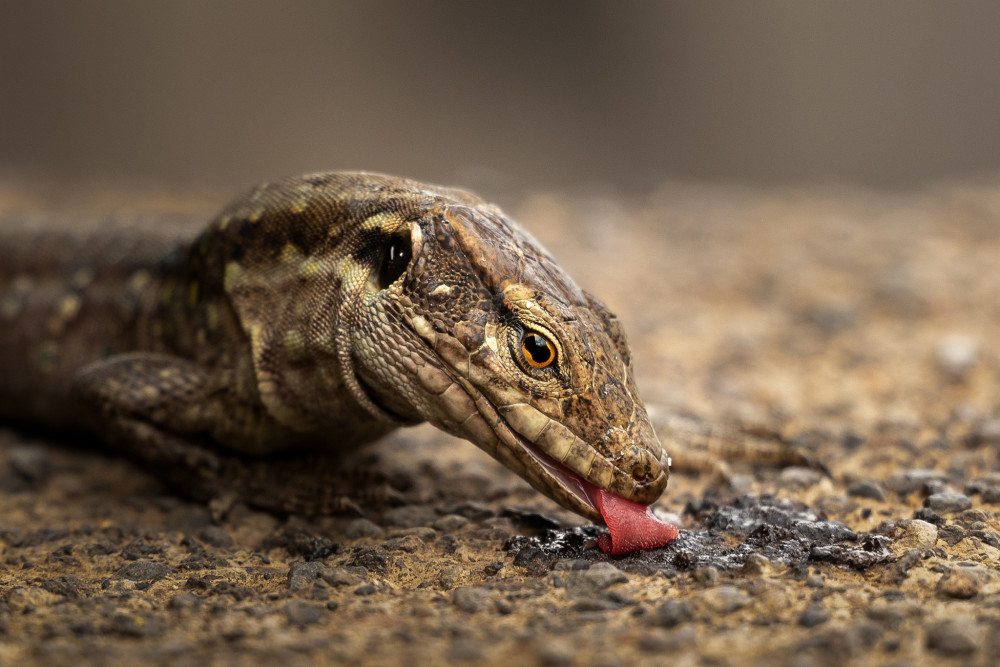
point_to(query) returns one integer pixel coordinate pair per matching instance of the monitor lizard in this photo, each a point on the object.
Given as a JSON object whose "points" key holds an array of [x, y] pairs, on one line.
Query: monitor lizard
{"points": [[319, 313]]}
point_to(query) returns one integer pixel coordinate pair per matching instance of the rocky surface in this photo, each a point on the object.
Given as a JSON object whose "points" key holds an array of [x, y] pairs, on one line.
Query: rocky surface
{"points": [[859, 330]]}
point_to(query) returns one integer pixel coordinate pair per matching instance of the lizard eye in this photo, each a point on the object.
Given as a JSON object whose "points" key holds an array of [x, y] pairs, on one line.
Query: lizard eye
{"points": [[395, 258], [538, 351]]}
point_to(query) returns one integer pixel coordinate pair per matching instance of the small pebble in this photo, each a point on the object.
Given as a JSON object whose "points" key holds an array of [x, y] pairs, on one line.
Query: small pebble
{"points": [[409, 516], [905, 483], [954, 637], [302, 612], [756, 565], [450, 523], [866, 489], [956, 354], [599, 577], [799, 476], [471, 599], [143, 570], [917, 535], [363, 528], [31, 463], [672, 613], [947, 503], [365, 589], [963, 581], [724, 599], [987, 433], [813, 615]]}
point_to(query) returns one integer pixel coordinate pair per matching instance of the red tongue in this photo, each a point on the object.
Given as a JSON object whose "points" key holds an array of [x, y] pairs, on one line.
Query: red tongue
{"points": [[632, 525]]}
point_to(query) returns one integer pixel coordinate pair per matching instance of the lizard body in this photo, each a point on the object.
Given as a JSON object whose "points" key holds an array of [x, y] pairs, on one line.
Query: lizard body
{"points": [[319, 313]]}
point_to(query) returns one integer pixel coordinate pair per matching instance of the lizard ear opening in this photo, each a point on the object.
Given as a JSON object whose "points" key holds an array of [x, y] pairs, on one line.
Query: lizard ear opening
{"points": [[396, 255]]}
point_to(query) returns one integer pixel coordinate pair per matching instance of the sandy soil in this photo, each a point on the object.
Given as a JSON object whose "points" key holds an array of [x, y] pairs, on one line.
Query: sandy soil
{"points": [[858, 329]]}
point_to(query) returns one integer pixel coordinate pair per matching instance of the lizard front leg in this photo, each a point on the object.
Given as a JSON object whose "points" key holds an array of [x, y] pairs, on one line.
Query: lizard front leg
{"points": [[168, 414], [155, 409]]}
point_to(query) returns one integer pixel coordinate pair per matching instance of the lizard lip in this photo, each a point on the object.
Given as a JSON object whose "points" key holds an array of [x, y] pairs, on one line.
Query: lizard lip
{"points": [[579, 489]]}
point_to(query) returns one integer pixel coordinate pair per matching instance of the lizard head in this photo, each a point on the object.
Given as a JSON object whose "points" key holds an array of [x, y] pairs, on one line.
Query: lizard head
{"points": [[427, 304], [498, 345]]}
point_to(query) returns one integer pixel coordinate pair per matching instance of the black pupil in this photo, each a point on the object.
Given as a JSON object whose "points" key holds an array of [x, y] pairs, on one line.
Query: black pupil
{"points": [[536, 346], [394, 261]]}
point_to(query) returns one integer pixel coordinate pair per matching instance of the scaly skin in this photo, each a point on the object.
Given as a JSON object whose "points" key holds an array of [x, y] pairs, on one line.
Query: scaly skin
{"points": [[320, 313]]}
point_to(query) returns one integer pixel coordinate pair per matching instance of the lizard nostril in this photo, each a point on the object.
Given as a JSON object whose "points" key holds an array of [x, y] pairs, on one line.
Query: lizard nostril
{"points": [[639, 473]]}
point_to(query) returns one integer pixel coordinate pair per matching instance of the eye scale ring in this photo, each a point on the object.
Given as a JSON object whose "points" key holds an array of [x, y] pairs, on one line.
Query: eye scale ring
{"points": [[538, 352]]}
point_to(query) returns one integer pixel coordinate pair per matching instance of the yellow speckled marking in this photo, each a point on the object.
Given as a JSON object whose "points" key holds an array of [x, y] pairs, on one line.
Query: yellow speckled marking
{"points": [[69, 306], [224, 222], [47, 356], [211, 316], [138, 281], [255, 215], [293, 344], [310, 268], [156, 328], [10, 306], [291, 255], [193, 293], [81, 278], [232, 275], [167, 291], [200, 336]]}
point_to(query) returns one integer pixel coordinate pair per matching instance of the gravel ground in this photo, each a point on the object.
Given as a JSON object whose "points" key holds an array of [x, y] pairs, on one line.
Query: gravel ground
{"points": [[857, 329]]}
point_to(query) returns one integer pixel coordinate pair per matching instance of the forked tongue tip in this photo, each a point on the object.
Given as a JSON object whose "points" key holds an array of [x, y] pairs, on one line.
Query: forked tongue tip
{"points": [[633, 526]]}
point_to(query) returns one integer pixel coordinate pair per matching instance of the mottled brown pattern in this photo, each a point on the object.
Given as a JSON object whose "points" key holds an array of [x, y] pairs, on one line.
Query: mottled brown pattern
{"points": [[272, 332]]}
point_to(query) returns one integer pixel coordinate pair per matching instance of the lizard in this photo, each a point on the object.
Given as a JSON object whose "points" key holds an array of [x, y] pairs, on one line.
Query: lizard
{"points": [[319, 313]]}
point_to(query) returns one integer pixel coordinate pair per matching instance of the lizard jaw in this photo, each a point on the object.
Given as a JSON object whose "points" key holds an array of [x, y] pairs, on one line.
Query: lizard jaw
{"points": [[580, 493]]}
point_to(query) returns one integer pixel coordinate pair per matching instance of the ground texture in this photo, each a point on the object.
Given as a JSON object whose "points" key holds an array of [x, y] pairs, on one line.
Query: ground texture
{"points": [[855, 335]]}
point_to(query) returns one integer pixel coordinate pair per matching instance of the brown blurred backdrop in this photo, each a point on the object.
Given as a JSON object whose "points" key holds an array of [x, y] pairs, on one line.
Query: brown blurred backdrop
{"points": [[890, 94]]}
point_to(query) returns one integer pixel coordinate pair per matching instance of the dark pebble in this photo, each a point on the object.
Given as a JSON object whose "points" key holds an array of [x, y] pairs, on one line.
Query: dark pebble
{"points": [[565, 564], [66, 585], [952, 637], [449, 523], [472, 510], [31, 463], [215, 536], [363, 528], [373, 559], [672, 613], [947, 503], [991, 495], [143, 570], [824, 531], [925, 514], [304, 574], [365, 589], [133, 625], [813, 616], [925, 481], [594, 604], [866, 489], [302, 612], [409, 516], [599, 577], [471, 599], [525, 557], [407, 544]]}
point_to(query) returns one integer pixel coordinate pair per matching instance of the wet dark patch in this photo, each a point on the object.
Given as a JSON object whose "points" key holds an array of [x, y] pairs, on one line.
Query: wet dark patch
{"points": [[729, 536]]}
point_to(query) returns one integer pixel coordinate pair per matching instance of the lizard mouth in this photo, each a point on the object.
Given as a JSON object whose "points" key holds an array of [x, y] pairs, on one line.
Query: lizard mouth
{"points": [[578, 489]]}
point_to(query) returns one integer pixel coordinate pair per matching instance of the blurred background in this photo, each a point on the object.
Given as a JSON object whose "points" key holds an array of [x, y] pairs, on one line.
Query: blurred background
{"points": [[502, 96]]}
